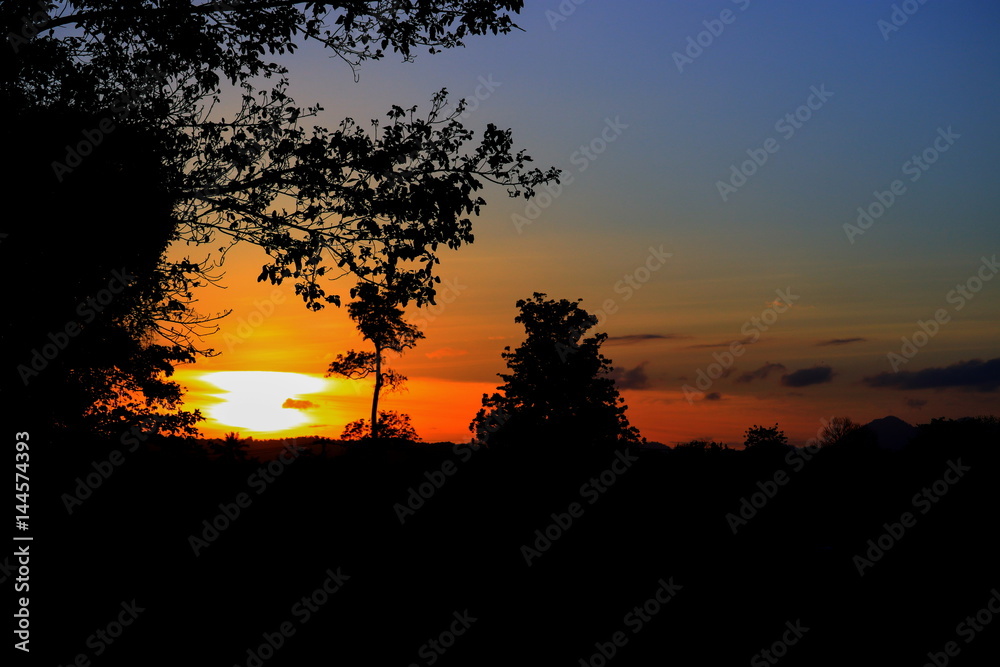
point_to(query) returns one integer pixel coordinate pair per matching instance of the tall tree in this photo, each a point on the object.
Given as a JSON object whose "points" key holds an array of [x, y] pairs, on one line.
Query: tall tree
{"points": [[83, 76], [380, 320], [91, 337], [559, 387], [376, 204]]}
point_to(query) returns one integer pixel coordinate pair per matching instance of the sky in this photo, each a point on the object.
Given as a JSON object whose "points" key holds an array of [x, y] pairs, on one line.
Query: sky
{"points": [[715, 156]]}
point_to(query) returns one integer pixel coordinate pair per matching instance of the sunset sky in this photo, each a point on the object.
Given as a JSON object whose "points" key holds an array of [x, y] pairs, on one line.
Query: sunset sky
{"points": [[649, 129]]}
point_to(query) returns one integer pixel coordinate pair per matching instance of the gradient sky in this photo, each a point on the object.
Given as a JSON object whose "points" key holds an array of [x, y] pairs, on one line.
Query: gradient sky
{"points": [[557, 85]]}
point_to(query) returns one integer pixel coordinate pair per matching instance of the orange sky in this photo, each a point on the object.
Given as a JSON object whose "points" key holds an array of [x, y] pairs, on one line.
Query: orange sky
{"points": [[270, 330]]}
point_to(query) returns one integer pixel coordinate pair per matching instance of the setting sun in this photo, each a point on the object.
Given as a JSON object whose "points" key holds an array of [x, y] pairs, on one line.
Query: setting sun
{"points": [[263, 401]]}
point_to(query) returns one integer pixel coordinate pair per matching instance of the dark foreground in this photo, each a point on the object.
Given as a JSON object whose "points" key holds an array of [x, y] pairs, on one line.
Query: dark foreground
{"points": [[639, 567]]}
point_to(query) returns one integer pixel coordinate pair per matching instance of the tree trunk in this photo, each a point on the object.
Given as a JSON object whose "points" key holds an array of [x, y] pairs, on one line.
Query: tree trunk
{"points": [[378, 388]]}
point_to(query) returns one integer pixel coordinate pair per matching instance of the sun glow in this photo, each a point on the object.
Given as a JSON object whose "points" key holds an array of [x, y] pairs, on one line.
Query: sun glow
{"points": [[253, 400]]}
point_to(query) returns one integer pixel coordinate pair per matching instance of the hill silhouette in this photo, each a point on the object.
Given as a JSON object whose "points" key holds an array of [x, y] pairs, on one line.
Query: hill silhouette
{"points": [[892, 432]]}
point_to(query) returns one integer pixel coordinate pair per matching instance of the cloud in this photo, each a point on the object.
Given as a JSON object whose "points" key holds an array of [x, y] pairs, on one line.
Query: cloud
{"points": [[743, 341], [807, 376], [973, 374], [761, 373], [714, 396], [297, 404], [841, 341], [641, 338], [445, 352], [915, 403], [635, 378]]}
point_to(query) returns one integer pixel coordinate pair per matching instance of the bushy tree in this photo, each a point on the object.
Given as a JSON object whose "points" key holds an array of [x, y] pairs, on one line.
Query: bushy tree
{"points": [[99, 324], [319, 201], [143, 83], [559, 387], [391, 424], [764, 438]]}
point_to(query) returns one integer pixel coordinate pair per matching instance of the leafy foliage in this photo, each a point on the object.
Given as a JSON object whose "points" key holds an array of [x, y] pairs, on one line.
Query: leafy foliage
{"points": [[558, 387], [764, 438], [322, 203], [391, 424]]}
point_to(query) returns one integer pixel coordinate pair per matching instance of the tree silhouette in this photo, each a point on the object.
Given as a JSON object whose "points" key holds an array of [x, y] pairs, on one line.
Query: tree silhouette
{"points": [[764, 438], [319, 201], [108, 300], [837, 430], [558, 387], [231, 448], [701, 446], [137, 88], [380, 321], [391, 424]]}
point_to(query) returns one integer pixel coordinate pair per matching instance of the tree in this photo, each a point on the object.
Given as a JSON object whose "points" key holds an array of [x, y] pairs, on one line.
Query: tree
{"points": [[380, 321], [231, 448], [837, 430], [90, 333], [391, 424], [763, 438], [559, 386], [701, 446], [376, 204], [150, 77]]}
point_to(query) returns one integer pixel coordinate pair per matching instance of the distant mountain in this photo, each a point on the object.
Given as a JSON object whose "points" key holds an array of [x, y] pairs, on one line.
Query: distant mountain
{"points": [[654, 445], [892, 432]]}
